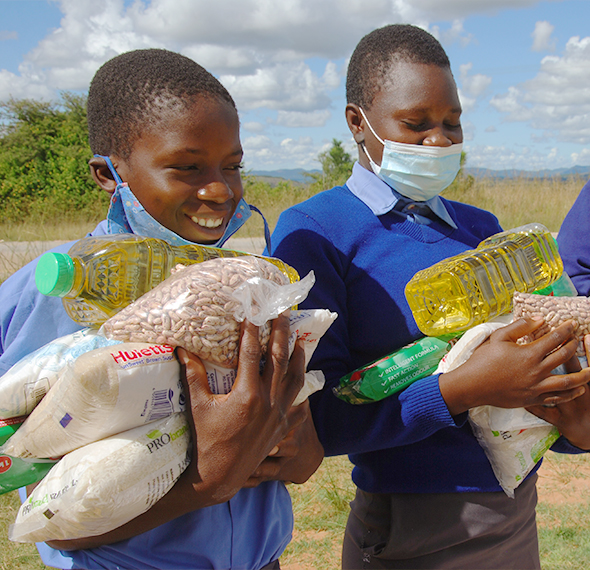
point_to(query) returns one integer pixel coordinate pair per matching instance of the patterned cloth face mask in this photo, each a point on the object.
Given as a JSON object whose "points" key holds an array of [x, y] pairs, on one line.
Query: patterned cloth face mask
{"points": [[416, 171], [127, 215]]}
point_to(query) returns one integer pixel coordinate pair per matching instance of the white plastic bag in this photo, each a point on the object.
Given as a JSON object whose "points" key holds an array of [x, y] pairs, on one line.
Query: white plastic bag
{"points": [[105, 484], [103, 392], [26, 383], [514, 440]]}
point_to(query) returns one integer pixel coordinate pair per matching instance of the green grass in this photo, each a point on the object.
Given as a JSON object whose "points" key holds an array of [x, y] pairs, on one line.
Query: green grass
{"points": [[320, 509], [563, 513], [15, 556]]}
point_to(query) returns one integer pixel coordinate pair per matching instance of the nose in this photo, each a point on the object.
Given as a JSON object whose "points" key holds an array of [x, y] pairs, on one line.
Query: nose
{"points": [[216, 191], [437, 137]]}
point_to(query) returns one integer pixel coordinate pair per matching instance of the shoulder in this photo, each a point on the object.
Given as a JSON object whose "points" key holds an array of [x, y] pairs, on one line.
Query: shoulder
{"points": [[28, 319], [327, 212], [326, 204], [476, 221], [578, 218]]}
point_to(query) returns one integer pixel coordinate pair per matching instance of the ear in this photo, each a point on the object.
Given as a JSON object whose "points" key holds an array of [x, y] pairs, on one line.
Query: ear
{"points": [[101, 174], [356, 122]]}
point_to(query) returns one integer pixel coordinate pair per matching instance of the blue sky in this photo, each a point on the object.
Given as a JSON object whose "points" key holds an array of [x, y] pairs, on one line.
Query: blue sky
{"points": [[522, 66]]}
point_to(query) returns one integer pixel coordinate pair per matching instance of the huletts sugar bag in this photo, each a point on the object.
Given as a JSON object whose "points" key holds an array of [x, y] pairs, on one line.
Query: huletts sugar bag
{"points": [[103, 392]]}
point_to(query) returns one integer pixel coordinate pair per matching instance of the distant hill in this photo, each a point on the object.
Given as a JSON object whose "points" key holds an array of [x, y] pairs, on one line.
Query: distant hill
{"points": [[273, 177], [563, 172], [295, 174]]}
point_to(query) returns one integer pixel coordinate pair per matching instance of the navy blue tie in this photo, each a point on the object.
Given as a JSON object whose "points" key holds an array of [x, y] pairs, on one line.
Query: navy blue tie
{"points": [[409, 207]]}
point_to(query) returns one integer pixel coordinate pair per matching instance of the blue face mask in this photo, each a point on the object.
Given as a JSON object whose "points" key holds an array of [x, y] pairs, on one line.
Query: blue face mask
{"points": [[416, 171], [127, 215]]}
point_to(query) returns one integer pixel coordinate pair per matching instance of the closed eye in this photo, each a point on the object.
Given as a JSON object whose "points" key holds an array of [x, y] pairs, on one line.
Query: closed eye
{"points": [[415, 126]]}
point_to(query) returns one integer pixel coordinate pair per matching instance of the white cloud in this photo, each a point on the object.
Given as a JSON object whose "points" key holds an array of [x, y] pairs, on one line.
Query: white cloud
{"points": [[556, 101], [253, 127], [456, 33], [542, 40], [287, 87], [287, 57], [467, 103], [522, 158], [16, 87], [302, 119], [233, 37], [294, 153], [474, 85], [581, 158]]}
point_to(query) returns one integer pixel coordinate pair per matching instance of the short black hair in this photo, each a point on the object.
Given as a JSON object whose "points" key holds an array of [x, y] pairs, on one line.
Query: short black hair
{"points": [[131, 91], [373, 56]]}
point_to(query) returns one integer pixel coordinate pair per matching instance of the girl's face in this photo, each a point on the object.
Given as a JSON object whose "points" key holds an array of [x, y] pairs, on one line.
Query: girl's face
{"points": [[185, 169], [417, 104]]}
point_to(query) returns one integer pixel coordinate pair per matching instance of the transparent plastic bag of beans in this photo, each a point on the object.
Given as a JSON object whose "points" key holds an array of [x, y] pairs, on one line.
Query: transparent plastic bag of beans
{"points": [[200, 307]]}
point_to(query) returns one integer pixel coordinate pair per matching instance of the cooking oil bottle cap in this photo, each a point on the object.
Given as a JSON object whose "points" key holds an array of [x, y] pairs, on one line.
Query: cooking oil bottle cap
{"points": [[54, 275]]}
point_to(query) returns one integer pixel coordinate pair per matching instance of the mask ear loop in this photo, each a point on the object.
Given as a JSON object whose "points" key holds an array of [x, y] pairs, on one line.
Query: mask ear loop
{"points": [[374, 165], [266, 228], [370, 127], [114, 172]]}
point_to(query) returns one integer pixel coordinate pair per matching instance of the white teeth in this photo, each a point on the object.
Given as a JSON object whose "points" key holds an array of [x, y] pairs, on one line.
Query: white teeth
{"points": [[207, 222]]}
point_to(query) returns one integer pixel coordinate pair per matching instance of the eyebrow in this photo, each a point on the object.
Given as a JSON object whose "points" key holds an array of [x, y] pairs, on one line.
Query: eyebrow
{"points": [[198, 151], [427, 109]]}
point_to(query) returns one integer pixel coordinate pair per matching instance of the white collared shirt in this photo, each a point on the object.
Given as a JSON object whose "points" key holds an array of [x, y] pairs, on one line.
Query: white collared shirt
{"points": [[382, 198]]}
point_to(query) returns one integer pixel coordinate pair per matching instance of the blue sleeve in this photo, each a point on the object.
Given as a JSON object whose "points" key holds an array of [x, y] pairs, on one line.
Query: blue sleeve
{"points": [[574, 242], [415, 414]]}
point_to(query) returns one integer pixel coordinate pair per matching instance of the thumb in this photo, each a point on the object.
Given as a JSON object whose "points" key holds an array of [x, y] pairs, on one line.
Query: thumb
{"points": [[518, 329]]}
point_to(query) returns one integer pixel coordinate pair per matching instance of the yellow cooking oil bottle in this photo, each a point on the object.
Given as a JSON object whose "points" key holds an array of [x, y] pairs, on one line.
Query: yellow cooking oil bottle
{"points": [[101, 275], [477, 285]]}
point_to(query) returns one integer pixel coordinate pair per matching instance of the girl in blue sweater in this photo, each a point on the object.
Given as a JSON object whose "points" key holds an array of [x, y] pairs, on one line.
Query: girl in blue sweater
{"points": [[426, 494]]}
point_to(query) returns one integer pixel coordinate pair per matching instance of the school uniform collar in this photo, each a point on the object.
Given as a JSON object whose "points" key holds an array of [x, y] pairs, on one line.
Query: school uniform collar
{"points": [[381, 198]]}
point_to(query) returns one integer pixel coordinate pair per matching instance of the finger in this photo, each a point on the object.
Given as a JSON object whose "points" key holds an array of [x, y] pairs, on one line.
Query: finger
{"points": [[296, 415], [551, 400], [277, 357], [268, 469], [558, 336], [517, 329], [549, 414], [196, 389], [573, 364], [248, 372], [293, 380], [287, 448], [193, 376], [565, 353]]}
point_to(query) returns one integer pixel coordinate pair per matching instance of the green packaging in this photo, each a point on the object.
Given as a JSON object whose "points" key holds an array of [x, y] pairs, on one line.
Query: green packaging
{"points": [[394, 372], [15, 472], [563, 287]]}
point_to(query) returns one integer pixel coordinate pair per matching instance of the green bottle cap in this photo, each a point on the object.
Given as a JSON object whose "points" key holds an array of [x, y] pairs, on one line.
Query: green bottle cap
{"points": [[54, 275]]}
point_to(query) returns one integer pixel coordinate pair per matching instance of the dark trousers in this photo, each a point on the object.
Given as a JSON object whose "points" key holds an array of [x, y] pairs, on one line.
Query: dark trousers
{"points": [[459, 531]]}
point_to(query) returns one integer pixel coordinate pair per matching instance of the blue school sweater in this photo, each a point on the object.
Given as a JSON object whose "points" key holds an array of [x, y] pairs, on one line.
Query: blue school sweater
{"points": [[574, 241], [408, 442]]}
